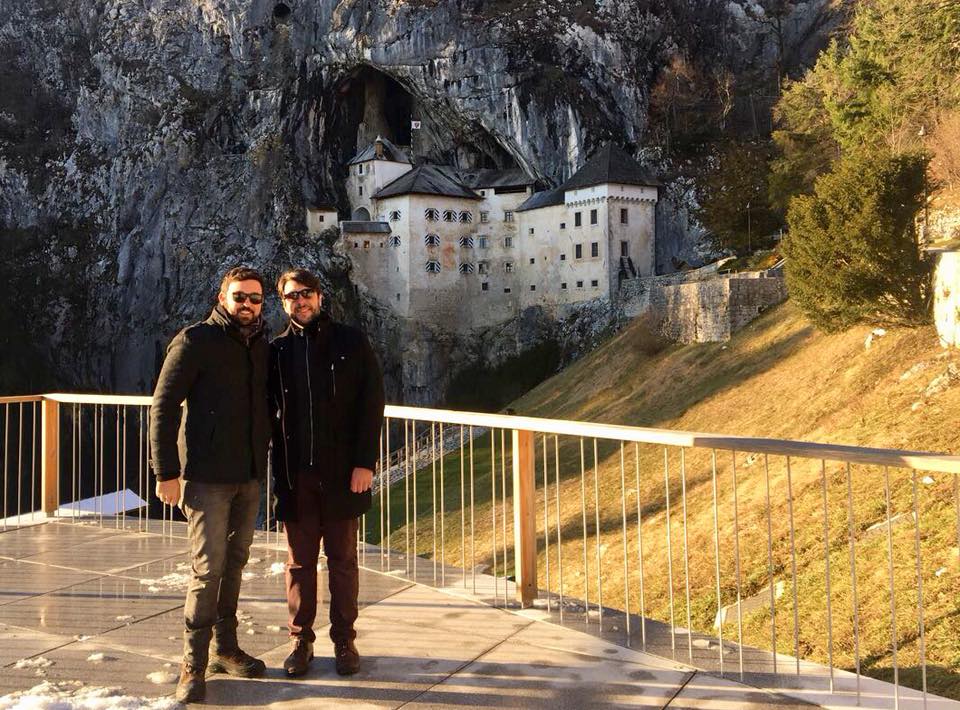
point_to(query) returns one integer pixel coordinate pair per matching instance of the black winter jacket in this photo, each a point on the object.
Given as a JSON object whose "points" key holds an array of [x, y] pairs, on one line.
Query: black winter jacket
{"points": [[344, 395], [225, 430]]}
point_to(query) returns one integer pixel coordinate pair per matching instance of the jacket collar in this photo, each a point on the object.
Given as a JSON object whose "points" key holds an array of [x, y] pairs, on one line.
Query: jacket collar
{"points": [[318, 326], [246, 335]]}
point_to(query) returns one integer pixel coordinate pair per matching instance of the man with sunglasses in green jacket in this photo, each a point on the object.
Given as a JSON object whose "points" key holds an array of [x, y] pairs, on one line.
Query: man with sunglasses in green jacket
{"points": [[219, 368]]}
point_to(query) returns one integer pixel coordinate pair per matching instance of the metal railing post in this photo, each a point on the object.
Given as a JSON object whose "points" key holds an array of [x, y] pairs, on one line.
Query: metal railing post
{"points": [[524, 517], [50, 456]]}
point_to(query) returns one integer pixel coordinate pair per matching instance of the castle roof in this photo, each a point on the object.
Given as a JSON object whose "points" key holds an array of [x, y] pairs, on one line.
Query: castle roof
{"points": [[390, 152], [610, 164], [426, 180], [510, 177], [547, 198], [354, 227]]}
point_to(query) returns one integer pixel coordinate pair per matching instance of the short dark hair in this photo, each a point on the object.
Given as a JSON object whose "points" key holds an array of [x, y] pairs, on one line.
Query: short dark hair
{"points": [[299, 275], [240, 273]]}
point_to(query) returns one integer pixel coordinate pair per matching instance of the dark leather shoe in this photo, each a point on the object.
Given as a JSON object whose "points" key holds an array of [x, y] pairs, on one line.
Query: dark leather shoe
{"points": [[238, 663], [346, 656], [299, 659], [192, 686]]}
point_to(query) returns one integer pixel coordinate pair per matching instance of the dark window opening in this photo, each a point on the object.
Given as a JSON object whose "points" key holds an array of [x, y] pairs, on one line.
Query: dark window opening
{"points": [[577, 219], [594, 248], [281, 11], [593, 216]]}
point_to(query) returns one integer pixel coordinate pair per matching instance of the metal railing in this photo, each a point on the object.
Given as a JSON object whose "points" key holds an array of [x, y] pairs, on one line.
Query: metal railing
{"points": [[747, 556]]}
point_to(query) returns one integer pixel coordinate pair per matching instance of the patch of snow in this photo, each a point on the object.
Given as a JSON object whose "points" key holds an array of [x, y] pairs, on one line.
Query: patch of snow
{"points": [[940, 572], [251, 632], [125, 617], [173, 581], [274, 628], [99, 658], [162, 677], [915, 370], [247, 576], [253, 561], [278, 568], [74, 695], [38, 662], [927, 480]]}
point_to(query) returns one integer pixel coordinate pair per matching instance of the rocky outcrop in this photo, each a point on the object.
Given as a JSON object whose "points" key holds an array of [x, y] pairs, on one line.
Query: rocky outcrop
{"points": [[146, 147]]}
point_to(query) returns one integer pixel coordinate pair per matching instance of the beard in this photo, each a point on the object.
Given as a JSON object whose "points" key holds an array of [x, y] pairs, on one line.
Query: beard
{"points": [[304, 315]]}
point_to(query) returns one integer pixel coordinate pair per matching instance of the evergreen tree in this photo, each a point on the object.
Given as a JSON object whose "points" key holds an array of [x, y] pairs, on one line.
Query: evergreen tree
{"points": [[852, 255]]}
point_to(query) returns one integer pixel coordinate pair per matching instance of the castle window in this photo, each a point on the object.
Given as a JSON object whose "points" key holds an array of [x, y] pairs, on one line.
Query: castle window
{"points": [[563, 286], [506, 290], [563, 257], [484, 286], [577, 219], [466, 216], [395, 216], [594, 248], [482, 241], [530, 231], [578, 251], [594, 283], [579, 284], [321, 219], [508, 267], [360, 190], [483, 193], [624, 249], [360, 169], [624, 216], [466, 268], [533, 260], [432, 214], [394, 240], [449, 216], [484, 217], [356, 244], [433, 267], [366, 243], [508, 242], [466, 242], [432, 240], [533, 287], [483, 267], [593, 216], [508, 216], [563, 225]]}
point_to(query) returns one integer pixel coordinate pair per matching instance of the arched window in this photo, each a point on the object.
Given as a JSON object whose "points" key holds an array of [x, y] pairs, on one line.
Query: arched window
{"points": [[466, 216], [432, 240], [433, 267], [395, 216], [449, 215], [466, 242], [432, 214], [394, 240], [466, 268]]}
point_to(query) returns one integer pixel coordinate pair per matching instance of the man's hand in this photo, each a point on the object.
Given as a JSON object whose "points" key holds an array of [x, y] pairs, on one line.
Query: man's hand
{"points": [[361, 480], [169, 491]]}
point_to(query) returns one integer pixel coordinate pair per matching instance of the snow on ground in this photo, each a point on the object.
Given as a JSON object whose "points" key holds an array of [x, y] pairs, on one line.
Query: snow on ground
{"points": [[74, 695], [162, 677]]}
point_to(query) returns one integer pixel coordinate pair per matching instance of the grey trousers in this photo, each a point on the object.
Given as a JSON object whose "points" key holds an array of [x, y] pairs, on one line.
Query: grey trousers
{"points": [[220, 522]]}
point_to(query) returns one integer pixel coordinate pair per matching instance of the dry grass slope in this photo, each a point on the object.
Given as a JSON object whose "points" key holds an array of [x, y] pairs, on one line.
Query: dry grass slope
{"points": [[777, 378]]}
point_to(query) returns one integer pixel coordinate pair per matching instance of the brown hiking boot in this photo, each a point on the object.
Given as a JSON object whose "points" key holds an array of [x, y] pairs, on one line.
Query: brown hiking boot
{"points": [[299, 659], [347, 657], [238, 663], [192, 686]]}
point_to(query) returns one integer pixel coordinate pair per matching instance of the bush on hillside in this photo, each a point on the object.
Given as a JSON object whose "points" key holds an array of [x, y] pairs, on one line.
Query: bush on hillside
{"points": [[852, 255]]}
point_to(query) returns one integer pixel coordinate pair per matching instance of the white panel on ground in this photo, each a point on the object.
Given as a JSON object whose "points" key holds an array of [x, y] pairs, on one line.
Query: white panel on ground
{"points": [[109, 504]]}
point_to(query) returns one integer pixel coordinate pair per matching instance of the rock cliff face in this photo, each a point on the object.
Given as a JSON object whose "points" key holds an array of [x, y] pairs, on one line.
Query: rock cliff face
{"points": [[145, 147]]}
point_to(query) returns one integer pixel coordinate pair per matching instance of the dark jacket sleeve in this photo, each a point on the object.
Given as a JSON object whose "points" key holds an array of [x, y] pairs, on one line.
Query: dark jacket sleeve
{"points": [[371, 410], [179, 371]]}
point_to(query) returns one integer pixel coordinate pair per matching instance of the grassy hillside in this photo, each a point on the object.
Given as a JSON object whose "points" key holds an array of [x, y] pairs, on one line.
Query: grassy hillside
{"points": [[777, 378]]}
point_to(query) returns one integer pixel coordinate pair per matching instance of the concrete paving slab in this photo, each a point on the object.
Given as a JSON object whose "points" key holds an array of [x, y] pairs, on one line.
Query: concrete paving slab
{"points": [[21, 643], [19, 579], [707, 692], [87, 609], [128, 671], [115, 553], [17, 543]]}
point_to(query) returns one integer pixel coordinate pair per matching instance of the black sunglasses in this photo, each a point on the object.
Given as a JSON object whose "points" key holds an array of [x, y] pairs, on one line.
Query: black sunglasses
{"points": [[241, 297], [302, 293]]}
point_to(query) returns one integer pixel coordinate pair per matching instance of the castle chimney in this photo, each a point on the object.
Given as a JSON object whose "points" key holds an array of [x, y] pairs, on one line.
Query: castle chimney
{"points": [[378, 147]]}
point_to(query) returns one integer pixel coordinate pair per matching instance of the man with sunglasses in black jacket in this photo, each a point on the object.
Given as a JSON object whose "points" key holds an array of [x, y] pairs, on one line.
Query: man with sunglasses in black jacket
{"points": [[219, 368], [327, 394]]}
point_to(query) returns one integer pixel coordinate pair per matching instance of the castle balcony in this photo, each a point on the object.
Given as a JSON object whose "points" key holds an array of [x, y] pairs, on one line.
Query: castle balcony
{"points": [[508, 561]]}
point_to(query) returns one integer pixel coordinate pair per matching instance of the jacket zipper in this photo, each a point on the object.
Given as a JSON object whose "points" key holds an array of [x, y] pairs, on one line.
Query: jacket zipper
{"points": [[310, 393], [283, 422]]}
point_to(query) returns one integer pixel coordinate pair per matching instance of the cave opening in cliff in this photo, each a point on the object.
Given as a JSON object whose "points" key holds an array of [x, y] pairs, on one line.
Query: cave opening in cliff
{"points": [[281, 11]]}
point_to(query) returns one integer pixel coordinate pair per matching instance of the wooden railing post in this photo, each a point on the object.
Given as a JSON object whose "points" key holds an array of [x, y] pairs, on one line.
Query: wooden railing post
{"points": [[50, 455], [524, 517]]}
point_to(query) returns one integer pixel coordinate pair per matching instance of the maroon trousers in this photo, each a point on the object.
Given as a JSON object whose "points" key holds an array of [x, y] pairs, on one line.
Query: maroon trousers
{"points": [[303, 547]]}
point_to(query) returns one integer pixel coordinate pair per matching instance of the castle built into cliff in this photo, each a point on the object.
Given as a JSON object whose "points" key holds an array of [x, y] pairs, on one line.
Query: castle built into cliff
{"points": [[472, 248]]}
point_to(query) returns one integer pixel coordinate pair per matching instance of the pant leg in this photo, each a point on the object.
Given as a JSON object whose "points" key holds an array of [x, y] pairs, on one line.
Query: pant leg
{"points": [[207, 508], [340, 546], [303, 552], [242, 523]]}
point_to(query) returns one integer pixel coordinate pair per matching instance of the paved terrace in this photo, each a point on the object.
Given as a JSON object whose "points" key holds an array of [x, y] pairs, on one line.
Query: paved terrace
{"points": [[103, 605]]}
